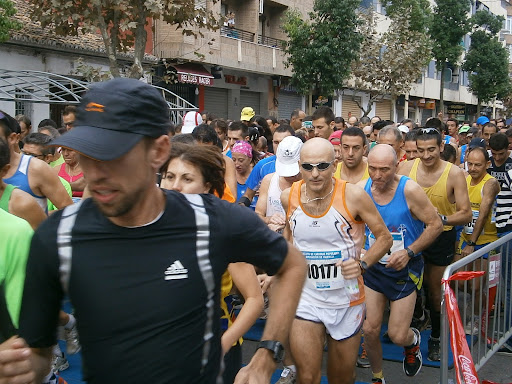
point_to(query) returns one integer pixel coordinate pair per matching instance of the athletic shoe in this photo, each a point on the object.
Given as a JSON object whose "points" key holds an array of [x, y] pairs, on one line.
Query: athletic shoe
{"points": [[59, 363], [434, 349], [472, 327], [419, 324], [72, 342], [362, 359], [287, 377], [413, 360], [378, 381], [54, 379], [505, 350]]}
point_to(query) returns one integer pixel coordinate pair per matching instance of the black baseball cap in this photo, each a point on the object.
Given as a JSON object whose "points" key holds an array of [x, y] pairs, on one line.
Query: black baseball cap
{"points": [[477, 142], [113, 116]]}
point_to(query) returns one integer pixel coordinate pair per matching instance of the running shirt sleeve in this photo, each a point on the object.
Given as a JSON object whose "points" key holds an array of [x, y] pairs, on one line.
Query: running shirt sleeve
{"points": [[42, 294], [246, 238], [254, 179]]}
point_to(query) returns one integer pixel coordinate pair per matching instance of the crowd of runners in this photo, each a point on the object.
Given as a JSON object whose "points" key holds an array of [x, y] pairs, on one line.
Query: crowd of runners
{"points": [[171, 241]]}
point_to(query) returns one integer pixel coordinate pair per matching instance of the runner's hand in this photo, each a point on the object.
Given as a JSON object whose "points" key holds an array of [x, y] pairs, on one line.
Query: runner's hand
{"points": [[350, 268], [265, 282], [398, 260], [468, 249], [259, 370], [15, 364]]}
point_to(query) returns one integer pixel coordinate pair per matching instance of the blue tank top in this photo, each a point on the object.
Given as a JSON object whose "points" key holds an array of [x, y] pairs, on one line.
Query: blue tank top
{"points": [[447, 139], [463, 149], [396, 215], [20, 180]]}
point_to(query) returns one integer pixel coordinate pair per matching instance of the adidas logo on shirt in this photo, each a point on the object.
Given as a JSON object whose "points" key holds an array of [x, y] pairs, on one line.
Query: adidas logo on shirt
{"points": [[176, 271]]}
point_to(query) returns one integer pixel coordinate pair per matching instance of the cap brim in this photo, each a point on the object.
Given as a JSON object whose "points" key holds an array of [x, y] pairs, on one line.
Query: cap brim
{"points": [[98, 143], [187, 129], [287, 170]]}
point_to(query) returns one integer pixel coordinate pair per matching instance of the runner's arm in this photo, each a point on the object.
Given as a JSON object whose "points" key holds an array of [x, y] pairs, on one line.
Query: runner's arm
{"points": [[245, 279], [41, 359], [230, 175], [362, 208], [463, 214], [261, 205], [422, 209], [48, 183]]}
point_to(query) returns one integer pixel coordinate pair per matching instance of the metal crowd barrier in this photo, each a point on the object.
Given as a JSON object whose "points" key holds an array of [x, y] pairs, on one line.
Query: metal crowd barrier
{"points": [[490, 318]]}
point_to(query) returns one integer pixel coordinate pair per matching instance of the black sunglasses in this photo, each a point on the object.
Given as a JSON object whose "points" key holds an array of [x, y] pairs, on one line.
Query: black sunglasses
{"points": [[32, 154], [320, 166]]}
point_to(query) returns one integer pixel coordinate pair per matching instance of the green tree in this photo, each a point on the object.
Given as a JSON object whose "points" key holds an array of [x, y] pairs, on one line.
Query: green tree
{"points": [[487, 60], [7, 22], [388, 63], [320, 50], [449, 25], [419, 14], [121, 23]]}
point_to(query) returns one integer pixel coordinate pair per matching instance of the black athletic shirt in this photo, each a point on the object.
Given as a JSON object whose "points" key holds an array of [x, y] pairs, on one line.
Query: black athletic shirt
{"points": [[146, 299]]}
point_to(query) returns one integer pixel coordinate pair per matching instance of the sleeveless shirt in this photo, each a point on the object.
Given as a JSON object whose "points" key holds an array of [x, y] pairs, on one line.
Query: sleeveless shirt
{"points": [[274, 197], [20, 180], [489, 232], [437, 192], [6, 197], [324, 240]]}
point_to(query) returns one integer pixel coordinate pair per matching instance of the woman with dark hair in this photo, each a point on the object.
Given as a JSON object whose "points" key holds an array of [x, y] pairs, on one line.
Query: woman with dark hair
{"points": [[267, 133], [221, 127], [200, 169]]}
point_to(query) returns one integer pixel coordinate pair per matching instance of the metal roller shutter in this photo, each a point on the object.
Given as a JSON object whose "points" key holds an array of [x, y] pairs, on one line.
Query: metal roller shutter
{"points": [[250, 99], [349, 106], [383, 109], [288, 102], [216, 101]]}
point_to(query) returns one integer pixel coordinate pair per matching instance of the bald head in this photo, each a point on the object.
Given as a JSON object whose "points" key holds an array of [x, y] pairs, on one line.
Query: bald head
{"points": [[317, 147], [382, 153]]}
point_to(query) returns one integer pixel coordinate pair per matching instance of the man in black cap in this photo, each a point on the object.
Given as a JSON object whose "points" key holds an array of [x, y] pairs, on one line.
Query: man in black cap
{"points": [[141, 266]]}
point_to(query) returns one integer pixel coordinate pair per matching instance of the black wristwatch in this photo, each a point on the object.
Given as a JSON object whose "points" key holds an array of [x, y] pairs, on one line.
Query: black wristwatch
{"points": [[275, 347], [410, 253], [363, 266], [471, 243]]}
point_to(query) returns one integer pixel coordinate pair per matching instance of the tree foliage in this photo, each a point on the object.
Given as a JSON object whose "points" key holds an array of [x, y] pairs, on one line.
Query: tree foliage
{"points": [[418, 10], [7, 22], [487, 59], [321, 49], [389, 63], [121, 23]]}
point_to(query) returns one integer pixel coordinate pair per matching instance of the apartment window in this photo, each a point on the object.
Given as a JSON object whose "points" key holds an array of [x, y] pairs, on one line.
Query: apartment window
{"points": [[431, 72], [508, 24], [509, 53], [22, 107]]}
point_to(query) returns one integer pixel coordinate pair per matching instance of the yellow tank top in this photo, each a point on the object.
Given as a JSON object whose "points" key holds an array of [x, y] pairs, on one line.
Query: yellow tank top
{"points": [[337, 174], [489, 233], [437, 192], [227, 312]]}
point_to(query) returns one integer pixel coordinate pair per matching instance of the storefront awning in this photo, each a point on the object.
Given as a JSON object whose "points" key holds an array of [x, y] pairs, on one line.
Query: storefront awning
{"points": [[193, 73]]}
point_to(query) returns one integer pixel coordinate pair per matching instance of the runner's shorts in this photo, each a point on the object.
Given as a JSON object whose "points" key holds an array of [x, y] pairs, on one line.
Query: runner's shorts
{"points": [[442, 250], [340, 323]]}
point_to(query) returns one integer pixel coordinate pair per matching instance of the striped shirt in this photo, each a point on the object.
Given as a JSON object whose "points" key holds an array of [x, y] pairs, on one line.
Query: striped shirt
{"points": [[503, 174]]}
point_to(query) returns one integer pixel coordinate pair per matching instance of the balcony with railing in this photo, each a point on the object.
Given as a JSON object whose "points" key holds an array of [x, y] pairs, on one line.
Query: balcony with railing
{"points": [[237, 33], [270, 41]]}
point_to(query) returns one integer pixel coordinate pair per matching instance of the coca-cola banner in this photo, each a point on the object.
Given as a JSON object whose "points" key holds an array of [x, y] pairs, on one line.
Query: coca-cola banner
{"points": [[464, 366]]}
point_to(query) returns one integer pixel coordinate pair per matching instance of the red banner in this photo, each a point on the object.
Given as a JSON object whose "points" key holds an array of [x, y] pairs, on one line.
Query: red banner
{"points": [[464, 366]]}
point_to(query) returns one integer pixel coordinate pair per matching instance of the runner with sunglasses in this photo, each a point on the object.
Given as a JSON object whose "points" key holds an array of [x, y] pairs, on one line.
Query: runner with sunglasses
{"points": [[325, 220], [445, 186]]}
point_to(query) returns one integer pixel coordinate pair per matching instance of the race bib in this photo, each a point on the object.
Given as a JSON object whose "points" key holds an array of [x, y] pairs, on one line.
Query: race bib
{"points": [[398, 244], [322, 270], [468, 228]]}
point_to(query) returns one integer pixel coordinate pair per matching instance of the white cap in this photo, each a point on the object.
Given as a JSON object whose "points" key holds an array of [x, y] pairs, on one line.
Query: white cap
{"points": [[287, 157], [403, 128], [190, 121]]}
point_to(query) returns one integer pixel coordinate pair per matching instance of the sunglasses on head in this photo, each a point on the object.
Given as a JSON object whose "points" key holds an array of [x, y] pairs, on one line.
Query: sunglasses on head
{"points": [[429, 131], [320, 166]]}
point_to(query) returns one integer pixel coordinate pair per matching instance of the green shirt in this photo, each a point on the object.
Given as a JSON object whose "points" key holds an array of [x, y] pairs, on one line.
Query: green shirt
{"points": [[66, 185], [57, 162], [15, 237]]}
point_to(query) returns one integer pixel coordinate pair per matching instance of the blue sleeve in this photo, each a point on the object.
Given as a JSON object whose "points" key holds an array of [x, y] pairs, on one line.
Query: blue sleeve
{"points": [[255, 177]]}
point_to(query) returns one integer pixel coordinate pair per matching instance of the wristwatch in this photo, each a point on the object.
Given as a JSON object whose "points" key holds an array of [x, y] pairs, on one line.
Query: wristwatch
{"points": [[275, 347], [444, 219], [410, 253], [363, 266], [471, 243]]}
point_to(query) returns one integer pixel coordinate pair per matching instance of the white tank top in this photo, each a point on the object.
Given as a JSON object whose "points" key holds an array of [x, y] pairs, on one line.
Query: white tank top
{"points": [[324, 240], [274, 197]]}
